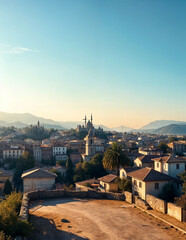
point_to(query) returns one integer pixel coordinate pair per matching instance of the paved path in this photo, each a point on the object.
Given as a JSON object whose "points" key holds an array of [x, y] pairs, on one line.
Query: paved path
{"points": [[96, 220]]}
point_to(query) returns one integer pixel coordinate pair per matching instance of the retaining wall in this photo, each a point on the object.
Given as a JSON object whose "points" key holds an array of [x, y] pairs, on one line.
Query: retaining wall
{"points": [[128, 197], [153, 202], [156, 203], [141, 203], [175, 211]]}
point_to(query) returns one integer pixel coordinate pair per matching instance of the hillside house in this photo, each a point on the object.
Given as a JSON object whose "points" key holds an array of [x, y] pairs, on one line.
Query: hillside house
{"points": [[144, 161], [149, 181], [170, 165], [108, 183]]}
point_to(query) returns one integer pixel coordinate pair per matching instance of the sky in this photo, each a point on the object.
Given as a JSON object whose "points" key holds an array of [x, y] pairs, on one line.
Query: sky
{"points": [[124, 61]]}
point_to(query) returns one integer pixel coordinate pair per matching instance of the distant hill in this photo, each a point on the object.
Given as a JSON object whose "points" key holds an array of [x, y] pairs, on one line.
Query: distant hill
{"points": [[159, 124], [122, 129], [173, 129], [24, 119]]}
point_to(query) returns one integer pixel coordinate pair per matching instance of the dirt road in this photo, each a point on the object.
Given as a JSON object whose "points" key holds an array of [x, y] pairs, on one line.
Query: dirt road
{"points": [[78, 219]]}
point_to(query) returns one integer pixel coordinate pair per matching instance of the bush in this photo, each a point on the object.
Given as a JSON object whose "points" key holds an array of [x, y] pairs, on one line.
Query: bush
{"points": [[4, 237], [124, 184], [10, 223], [168, 192]]}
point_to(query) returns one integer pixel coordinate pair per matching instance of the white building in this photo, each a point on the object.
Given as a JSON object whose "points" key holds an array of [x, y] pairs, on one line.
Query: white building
{"points": [[38, 179], [13, 152], [148, 181], [59, 150], [170, 165]]}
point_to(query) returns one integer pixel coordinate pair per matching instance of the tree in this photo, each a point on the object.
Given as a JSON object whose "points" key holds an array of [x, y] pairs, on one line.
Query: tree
{"points": [[124, 184], [69, 171], [163, 147], [23, 163], [7, 187], [168, 192], [114, 157], [10, 223]]}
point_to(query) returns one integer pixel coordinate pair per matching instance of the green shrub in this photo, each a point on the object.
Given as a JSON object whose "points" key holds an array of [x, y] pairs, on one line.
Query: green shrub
{"points": [[4, 237], [10, 223]]}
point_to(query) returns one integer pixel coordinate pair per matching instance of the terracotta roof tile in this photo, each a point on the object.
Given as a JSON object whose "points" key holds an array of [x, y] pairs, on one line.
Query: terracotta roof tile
{"points": [[149, 174], [108, 178]]}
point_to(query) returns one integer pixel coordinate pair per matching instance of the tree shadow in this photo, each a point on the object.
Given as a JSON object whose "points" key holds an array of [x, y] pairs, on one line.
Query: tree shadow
{"points": [[45, 229]]}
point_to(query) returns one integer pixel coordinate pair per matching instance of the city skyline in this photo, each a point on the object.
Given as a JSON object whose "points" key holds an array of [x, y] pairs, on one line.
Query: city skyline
{"points": [[124, 61]]}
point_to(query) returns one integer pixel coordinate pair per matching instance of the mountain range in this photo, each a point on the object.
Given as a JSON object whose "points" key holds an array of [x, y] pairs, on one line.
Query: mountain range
{"points": [[21, 120]]}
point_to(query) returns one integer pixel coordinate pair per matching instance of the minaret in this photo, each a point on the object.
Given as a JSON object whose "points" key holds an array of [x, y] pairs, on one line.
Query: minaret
{"points": [[91, 118], [85, 120]]}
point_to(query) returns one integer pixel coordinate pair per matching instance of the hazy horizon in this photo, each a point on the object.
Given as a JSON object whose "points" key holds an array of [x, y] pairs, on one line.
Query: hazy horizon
{"points": [[123, 61]]}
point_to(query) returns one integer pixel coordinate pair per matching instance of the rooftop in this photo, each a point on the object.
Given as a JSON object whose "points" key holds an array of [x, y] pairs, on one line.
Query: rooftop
{"points": [[169, 159], [38, 173], [108, 178], [150, 175]]}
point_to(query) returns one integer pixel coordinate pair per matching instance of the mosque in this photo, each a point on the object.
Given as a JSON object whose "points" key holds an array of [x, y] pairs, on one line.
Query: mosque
{"points": [[87, 126]]}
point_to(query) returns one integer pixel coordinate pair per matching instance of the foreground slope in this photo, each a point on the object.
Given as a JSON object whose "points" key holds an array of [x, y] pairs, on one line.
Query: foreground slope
{"points": [[96, 220]]}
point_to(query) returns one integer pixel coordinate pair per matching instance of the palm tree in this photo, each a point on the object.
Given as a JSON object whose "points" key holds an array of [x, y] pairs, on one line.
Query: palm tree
{"points": [[114, 157]]}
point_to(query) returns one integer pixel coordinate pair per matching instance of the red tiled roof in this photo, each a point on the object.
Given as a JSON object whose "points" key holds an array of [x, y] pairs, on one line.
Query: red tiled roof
{"points": [[149, 174], [108, 178], [147, 158], [169, 159], [91, 181]]}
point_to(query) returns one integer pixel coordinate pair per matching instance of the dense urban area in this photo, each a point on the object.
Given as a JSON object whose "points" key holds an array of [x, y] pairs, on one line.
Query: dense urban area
{"points": [[35, 158]]}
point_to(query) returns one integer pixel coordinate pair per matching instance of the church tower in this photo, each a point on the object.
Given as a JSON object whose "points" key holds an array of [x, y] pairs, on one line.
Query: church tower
{"points": [[90, 145]]}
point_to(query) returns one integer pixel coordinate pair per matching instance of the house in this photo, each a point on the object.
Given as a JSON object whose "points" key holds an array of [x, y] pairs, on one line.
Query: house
{"points": [[108, 183], [83, 185], [59, 150], [149, 181], [178, 147], [13, 152], [36, 179], [123, 172], [170, 165], [150, 151], [144, 161]]}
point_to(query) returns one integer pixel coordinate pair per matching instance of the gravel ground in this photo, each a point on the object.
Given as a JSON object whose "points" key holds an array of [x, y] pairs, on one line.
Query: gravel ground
{"points": [[78, 219]]}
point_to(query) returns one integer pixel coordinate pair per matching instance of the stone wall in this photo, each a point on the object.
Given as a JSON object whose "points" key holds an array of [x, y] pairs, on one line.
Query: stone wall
{"points": [[175, 211], [156, 203], [128, 197], [24, 208], [152, 202], [141, 203]]}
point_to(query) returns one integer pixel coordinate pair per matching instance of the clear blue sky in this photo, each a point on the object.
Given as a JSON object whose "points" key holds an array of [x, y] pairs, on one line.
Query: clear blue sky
{"points": [[122, 60]]}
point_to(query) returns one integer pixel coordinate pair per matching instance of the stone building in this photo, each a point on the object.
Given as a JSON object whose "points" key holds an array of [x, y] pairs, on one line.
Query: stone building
{"points": [[38, 179]]}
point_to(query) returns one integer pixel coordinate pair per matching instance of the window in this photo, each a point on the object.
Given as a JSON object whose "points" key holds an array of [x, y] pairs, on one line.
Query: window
{"points": [[177, 166], [135, 182], [157, 165], [156, 185], [140, 185]]}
